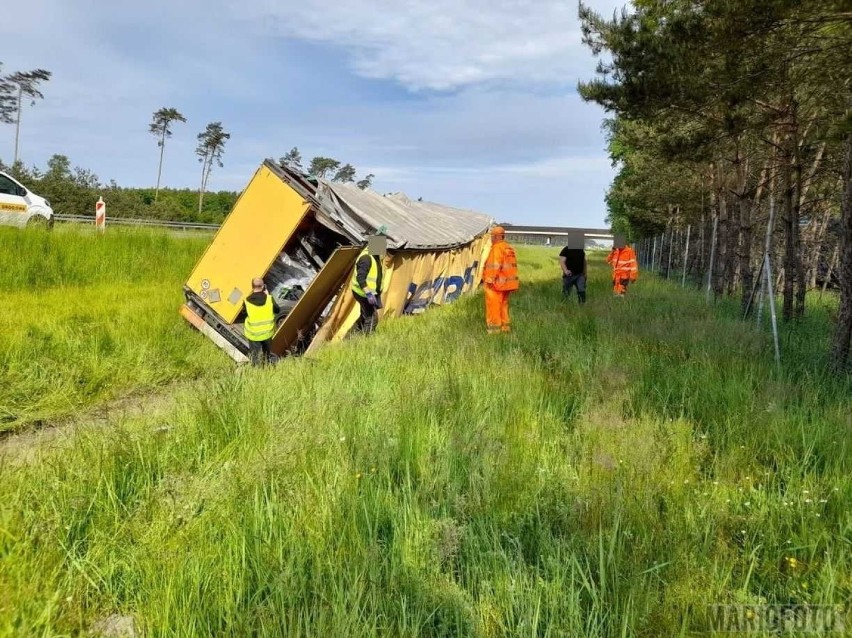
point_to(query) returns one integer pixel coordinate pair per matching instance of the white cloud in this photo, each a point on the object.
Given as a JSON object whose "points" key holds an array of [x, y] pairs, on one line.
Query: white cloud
{"points": [[562, 191], [508, 136], [470, 127], [443, 44], [560, 167]]}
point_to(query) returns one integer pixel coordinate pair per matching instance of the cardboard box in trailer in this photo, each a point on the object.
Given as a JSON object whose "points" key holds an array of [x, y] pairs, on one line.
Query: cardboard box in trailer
{"points": [[303, 237]]}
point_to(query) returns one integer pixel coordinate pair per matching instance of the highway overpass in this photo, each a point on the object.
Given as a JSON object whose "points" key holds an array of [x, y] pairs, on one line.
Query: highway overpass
{"points": [[556, 235]]}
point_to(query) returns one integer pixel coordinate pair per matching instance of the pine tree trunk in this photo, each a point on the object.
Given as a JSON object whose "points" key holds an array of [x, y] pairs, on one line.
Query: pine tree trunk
{"points": [[721, 246], [667, 255], [18, 124], [801, 280], [731, 269], [160, 169], [712, 259], [832, 264], [721, 234], [746, 239], [712, 233], [747, 223], [789, 241], [203, 183], [811, 245], [841, 359], [818, 248]]}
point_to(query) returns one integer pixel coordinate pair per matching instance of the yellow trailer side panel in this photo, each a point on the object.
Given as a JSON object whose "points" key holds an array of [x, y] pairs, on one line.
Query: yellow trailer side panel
{"points": [[263, 220], [328, 282], [419, 280]]}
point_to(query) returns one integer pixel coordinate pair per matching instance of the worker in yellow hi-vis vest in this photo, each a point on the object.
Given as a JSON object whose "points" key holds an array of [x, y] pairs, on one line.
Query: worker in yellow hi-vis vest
{"points": [[259, 327], [369, 281]]}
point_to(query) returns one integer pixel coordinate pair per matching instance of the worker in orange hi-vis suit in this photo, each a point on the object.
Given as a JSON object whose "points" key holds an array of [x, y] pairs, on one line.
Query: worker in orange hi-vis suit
{"points": [[625, 268], [500, 277]]}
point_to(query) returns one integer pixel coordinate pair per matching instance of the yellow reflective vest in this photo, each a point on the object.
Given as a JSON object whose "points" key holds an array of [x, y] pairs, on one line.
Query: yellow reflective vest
{"points": [[372, 276], [260, 323]]}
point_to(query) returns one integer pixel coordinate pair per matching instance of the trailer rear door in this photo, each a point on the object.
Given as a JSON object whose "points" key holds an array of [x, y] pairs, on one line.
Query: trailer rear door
{"points": [[328, 282], [264, 218]]}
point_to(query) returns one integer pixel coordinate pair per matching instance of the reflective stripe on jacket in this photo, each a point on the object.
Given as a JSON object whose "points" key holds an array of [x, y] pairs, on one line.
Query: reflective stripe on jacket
{"points": [[501, 268], [374, 277], [260, 323], [624, 264]]}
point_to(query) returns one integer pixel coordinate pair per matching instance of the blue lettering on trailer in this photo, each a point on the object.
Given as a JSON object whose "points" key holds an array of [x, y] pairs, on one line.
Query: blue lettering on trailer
{"points": [[421, 296]]}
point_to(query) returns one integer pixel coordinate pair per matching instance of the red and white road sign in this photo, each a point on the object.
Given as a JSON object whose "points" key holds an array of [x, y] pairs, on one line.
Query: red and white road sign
{"points": [[100, 214]]}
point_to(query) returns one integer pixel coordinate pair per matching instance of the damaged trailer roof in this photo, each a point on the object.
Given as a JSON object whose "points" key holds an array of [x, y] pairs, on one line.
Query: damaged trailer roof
{"points": [[410, 225]]}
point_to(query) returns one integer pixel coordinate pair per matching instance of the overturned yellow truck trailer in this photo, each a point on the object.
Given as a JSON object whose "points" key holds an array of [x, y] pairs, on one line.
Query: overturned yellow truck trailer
{"points": [[303, 237]]}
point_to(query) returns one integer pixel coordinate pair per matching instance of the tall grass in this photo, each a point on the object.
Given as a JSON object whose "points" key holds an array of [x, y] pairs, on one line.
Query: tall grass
{"points": [[84, 318], [607, 470]]}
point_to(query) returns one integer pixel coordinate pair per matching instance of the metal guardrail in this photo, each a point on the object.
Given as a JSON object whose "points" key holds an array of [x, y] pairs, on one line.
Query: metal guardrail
{"points": [[517, 231], [129, 221]]}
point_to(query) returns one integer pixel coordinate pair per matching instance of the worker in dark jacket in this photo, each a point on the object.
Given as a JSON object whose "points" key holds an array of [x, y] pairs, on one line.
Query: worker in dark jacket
{"points": [[259, 327], [368, 283], [572, 260]]}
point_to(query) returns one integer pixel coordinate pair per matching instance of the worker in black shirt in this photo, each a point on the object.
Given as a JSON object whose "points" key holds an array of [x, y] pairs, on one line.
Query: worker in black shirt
{"points": [[572, 260]]}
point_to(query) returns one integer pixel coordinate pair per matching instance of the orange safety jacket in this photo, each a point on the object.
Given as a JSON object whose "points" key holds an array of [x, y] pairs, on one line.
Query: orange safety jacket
{"points": [[624, 264], [501, 268]]}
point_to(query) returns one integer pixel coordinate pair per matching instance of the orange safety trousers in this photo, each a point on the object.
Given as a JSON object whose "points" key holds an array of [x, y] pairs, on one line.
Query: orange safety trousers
{"points": [[620, 286], [497, 310], [624, 268]]}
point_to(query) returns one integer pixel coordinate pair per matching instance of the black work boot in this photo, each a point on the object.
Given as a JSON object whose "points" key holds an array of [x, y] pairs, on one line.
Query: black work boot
{"points": [[582, 297]]}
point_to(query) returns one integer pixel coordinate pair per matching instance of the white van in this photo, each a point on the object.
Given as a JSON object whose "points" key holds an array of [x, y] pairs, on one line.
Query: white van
{"points": [[21, 207]]}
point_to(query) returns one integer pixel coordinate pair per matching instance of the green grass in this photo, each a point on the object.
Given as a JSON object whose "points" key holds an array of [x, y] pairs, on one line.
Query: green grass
{"points": [[86, 318], [608, 470]]}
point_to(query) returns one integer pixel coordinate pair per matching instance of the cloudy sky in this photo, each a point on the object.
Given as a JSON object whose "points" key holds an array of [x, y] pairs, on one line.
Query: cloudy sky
{"points": [[471, 103]]}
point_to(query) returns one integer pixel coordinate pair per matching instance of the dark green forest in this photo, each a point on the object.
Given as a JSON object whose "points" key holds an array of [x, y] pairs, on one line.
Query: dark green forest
{"points": [[732, 120], [74, 191]]}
